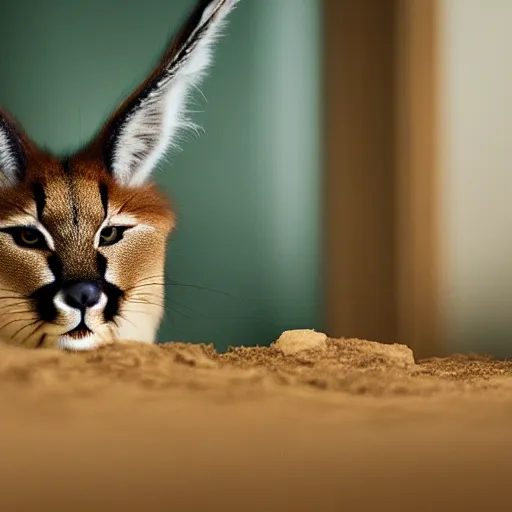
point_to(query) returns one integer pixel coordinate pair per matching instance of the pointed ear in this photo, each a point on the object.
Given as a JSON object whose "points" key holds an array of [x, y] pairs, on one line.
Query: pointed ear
{"points": [[13, 155], [144, 127]]}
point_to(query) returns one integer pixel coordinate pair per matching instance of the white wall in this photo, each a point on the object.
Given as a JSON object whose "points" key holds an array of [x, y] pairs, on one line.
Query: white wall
{"points": [[476, 177]]}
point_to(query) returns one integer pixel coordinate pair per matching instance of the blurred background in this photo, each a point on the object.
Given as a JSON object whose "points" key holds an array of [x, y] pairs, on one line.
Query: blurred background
{"points": [[353, 172]]}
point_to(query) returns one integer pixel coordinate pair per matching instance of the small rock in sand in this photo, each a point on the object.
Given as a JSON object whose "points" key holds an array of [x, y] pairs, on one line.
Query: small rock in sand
{"points": [[293, 342]]}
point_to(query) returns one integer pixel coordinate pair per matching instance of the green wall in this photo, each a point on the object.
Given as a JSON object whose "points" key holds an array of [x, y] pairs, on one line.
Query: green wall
{"points": [[246, 191]]}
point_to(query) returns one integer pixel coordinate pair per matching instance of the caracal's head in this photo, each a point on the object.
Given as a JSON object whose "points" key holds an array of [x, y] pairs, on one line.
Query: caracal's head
{"points": [[83, 239]]}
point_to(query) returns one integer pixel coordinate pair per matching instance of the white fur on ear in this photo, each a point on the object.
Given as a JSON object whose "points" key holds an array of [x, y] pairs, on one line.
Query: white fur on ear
{"points": [[11, 155], [7, 160], [147, 127]]}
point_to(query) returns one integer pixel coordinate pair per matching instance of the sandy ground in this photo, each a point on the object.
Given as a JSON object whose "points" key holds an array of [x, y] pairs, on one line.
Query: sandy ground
{"points": [[307, 424]]}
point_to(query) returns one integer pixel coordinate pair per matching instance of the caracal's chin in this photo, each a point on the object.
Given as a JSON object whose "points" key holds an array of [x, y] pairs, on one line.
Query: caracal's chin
{"points": [[84, 342]]}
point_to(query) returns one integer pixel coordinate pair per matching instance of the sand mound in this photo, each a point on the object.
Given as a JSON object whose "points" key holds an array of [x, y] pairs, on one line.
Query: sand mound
{"points": [[310, 423]]}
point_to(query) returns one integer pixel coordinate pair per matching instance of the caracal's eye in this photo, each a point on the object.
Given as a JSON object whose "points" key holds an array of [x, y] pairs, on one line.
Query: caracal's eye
{"points": [[30, 237], [112, 234], [27, 237]]}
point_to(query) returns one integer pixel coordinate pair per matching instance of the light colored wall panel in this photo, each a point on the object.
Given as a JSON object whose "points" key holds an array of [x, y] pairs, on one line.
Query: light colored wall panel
{"points": [[476, 210]]}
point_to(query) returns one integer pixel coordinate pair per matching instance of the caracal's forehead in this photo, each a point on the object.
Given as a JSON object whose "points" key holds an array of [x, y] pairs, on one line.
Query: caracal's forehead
{"points": [[72, 198], [71, 206]]}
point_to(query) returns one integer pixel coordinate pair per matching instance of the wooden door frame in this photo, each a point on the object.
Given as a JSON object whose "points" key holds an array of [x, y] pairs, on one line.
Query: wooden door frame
{"points": [[380, 183]]}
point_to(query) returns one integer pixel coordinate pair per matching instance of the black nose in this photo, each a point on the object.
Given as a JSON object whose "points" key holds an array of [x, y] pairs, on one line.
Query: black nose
{"points": [[82, 294]]}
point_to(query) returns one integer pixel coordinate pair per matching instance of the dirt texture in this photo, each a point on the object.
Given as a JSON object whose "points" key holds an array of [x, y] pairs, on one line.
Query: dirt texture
{"points": [[309, 423]]}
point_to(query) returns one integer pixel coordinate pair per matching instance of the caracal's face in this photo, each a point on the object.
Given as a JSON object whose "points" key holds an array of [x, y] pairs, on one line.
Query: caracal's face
{"points": [[81, 259]]}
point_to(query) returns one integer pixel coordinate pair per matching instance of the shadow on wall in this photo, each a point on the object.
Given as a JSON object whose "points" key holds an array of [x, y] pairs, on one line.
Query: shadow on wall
{"points": [[244, 263]]}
